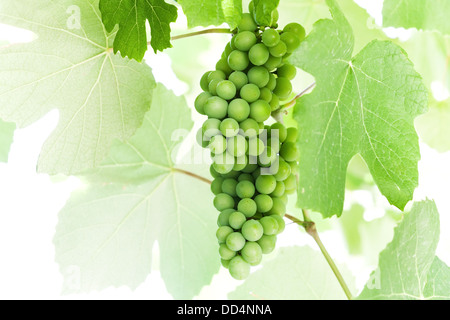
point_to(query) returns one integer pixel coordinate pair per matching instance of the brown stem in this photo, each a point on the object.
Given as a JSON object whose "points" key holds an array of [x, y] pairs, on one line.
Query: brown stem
{"points": [[191, 174]]}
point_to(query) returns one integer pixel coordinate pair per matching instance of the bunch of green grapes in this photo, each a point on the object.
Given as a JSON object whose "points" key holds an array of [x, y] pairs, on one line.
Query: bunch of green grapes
{"points": [[254, 164]]}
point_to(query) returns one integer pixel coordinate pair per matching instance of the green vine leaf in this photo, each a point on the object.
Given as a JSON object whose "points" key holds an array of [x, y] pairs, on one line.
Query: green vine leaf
{"points": [[408, 268], [301, 274], [215, 12], [419, 14], [69, 67], [131, 16], [365, 105], [263, 11], [7, 130], [136, 199]]}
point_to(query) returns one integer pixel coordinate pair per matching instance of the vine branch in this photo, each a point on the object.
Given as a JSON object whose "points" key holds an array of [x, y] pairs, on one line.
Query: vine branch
{"points": [[310, 228], [284, 108], [197, 33]]}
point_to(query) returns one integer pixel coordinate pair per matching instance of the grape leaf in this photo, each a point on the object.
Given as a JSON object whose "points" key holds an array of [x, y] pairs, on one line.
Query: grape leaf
{"points": [[366, 105], [263, 11], [433, 127], [293, 273], [6, 138], [206, 12], [131, 16], [107, 231], [438, 281], [419, 14], [70, 67], [307, 12], [408, 268]]}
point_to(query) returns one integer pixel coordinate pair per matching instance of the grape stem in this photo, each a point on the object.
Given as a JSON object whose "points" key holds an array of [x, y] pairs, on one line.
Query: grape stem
{"points": [[310, 228], [277, 115], [197, 33]]}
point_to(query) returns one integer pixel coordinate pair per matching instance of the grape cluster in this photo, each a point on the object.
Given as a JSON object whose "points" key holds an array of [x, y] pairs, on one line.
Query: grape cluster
{"points": [[254, 164]]}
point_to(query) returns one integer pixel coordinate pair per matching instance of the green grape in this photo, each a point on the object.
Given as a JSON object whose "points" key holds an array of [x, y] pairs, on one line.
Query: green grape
{"points": [[267, 157], [265, 95], [270, 37], [278, 208], [279, 131], [251, 167], [269, 224], [223, 201], [291, 40], [260, 110], [250, 92], [279, 189], [291, 134], [239, 110], [263, 202], [247, 23], [214, 173], [229, 186], [204, 81], [224, 216], [215, 75], [291, 184], [265, 184], [237, 146], [201, 139], [235, 241], [280, 222], [200, 102], [223, 163], [226, 89], [297, 29], [289, 151], [267, 243], [245, 177], [212, 87], [216, 107], [210, 128], [272, 82], [287, 71], [222, 233], [284, 170], [229, 127], [252, 253], [245, 40], [240, 163], [238, 60], [225, 252], [239, 79], [245, 189], [232, 174], [239, 268], [255, 147], [252, 230], [258, 54], [222, 65], [274, 144], [283, 88], [258, 76], [250, 128], [236, 220], [247, 206], [218, 144], [273, 63], [225, 263], [278, 50], [216, 185]]}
